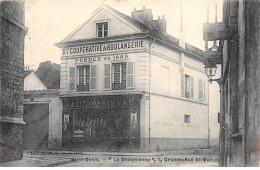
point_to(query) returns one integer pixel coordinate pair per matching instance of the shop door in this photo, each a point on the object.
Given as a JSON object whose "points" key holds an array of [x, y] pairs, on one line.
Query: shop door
{"points": [[35, 134]]}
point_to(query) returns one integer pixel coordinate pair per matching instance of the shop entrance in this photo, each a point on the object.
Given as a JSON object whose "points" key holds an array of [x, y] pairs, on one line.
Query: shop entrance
{"points": [[108, 127], [35, 132]]}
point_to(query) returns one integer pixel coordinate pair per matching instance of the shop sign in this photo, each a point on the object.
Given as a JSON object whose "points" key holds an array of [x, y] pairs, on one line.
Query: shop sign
{"points": [[99, 58], [98, 103], [98, 48]]}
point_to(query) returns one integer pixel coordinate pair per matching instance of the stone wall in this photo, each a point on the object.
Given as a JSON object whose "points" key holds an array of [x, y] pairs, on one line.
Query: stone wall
{"points": [[11, 143], [252, 70], [11, 78], [242, 73]]}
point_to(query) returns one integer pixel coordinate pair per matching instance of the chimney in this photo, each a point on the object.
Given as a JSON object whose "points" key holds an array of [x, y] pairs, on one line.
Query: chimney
{"points": [[145, 15], [159, 25], [182, 32]]}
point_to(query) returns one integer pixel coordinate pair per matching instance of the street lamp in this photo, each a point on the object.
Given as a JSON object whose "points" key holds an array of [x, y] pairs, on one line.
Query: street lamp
{"points": [[210, 70], [213, 57]]}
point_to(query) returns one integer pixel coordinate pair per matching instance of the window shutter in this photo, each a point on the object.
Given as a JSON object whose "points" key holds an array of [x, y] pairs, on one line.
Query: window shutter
{"points": [[107, 80], [204, 92], [130, 75], [72, 78], [200, 90], [93, 77], [191, 87], [182, 85]]}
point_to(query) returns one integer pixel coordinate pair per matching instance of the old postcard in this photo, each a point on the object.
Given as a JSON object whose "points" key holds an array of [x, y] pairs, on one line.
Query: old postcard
{"points": [[129, 83]]}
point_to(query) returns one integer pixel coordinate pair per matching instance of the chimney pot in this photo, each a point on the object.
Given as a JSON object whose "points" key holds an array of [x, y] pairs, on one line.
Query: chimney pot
{"points": [[145, 16], [159, 18], [163, 17], [134, 9]]}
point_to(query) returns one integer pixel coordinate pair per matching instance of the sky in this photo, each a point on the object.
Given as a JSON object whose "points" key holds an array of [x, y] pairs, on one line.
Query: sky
{"points": [[50, 21]]}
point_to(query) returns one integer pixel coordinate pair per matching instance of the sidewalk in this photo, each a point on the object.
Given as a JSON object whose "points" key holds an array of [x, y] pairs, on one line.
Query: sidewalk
{"points": [[70, 158]]}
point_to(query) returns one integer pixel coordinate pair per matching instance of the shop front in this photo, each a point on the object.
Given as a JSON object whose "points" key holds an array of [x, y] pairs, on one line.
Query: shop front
{"points": [[111, 121]]}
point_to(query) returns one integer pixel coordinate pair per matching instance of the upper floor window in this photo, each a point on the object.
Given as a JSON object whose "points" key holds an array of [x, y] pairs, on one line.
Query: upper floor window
{"points": [[165, 79], [119, 76], [87, 78], [189, 86], [102, 29], [122, 76]]}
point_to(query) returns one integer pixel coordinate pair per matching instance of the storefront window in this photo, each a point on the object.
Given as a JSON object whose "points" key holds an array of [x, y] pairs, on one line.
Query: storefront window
{"points": [[113, 124]]}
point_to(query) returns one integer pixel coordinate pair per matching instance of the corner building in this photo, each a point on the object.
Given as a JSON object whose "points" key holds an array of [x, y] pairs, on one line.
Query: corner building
{"points": [[126, 83], [12, 34]]}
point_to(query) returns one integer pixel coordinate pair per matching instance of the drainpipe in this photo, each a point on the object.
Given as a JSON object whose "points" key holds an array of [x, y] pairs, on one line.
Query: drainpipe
{"points": [[150, 61], [208, 119]]}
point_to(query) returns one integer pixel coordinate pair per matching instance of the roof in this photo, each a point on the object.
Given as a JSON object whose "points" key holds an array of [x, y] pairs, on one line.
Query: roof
{"points": [[26, 76], [163, 37], [27, 72], [35, 92]]}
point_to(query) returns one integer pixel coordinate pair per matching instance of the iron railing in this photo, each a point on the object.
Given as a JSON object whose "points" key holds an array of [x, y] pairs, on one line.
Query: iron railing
{"points": [[81, 88], [118, 86]]}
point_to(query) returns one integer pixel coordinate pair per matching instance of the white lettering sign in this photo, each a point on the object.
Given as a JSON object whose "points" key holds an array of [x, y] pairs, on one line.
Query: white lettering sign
{"points": [[96, 59], [88, 49]]}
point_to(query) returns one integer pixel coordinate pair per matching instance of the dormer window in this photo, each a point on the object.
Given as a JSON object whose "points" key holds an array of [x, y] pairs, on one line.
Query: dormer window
{"points": [[102, 29]]}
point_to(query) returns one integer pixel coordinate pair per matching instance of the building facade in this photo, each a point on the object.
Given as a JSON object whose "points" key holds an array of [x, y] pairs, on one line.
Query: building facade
{"points": [[11, 79], [126, 83]]}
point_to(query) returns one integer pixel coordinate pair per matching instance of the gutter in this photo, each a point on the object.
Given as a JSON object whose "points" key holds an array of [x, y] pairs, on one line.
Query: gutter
{"points": [[177, 47]]}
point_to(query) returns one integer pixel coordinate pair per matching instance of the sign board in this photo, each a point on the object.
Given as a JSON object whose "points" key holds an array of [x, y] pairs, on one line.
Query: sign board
{"points": [[99, 48], [216, 31], [101, 58], [210, 61]]}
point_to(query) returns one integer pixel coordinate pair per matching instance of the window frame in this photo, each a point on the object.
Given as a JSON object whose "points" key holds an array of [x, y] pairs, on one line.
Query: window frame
{"points": [[102, 23], [127, 74], [120, 72], [187, 118], [166, 68], [188, 86], [85, 75]]}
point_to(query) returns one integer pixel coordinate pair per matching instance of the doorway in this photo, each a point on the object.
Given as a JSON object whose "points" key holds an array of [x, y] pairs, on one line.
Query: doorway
{"points": [[36, 131]]}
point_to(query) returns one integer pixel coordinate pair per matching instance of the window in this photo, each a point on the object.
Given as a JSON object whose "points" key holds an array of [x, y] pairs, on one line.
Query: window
{"points": [[119, 75], [189, 86], [102, 29], [123, 76], [165, 79], [201, 90], [86, 78], [187, 118]]}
